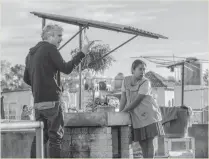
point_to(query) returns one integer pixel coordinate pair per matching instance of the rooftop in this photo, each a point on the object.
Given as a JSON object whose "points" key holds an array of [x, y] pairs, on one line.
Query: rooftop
{"points": [[159, 81]]}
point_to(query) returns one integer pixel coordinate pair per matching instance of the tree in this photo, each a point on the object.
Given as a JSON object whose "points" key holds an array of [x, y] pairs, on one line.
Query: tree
{"points": [[12, 76], [205, 77], [17, 73], [90, 65], [93, 61], [5, 68], [5, 77]]}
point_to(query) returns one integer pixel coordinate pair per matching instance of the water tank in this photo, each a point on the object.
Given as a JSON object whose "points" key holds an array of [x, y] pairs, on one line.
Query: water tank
{"points": [[192, 72], [102, 86], [118, 81]]}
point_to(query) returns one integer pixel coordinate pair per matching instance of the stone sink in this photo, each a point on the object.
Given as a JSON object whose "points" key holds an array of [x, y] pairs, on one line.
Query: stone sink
{"points": [[96, 119]]}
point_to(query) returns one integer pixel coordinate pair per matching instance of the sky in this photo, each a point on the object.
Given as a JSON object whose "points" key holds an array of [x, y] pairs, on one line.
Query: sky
{"points": [[185, 23]]}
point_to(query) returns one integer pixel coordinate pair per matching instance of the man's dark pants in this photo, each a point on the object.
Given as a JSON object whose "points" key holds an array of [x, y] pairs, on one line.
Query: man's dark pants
{"points": [[53, 119]]}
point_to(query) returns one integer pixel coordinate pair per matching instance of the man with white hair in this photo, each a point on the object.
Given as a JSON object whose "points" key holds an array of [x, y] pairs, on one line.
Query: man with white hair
{"points": [[42, 64]]}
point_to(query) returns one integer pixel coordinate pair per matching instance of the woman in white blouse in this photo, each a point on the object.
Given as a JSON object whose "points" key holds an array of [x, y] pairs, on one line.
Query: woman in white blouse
{"points": [[146, 117]]}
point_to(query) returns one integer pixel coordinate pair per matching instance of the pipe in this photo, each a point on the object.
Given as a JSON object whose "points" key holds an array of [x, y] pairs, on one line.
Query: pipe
{"points": [[28, 126], [182, 87], [80, 69], [115, 48], [43, 22], [40, 141], [72, 37], [21, 125]]}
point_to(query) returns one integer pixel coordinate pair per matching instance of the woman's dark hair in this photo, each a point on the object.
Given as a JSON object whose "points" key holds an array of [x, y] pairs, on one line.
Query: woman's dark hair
{"points": [[24, 106], [136, 63]]}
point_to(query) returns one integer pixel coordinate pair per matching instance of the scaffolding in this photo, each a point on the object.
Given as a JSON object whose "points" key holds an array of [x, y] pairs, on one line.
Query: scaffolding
{"points": [[86, 23]]}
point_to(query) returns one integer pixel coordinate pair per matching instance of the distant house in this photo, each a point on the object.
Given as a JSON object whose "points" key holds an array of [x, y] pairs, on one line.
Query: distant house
{"points": [[162, 89], [14, 101]]}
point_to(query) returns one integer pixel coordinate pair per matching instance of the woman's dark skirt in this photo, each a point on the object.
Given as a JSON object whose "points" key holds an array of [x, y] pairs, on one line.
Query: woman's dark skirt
{"points": [[150, 131]]}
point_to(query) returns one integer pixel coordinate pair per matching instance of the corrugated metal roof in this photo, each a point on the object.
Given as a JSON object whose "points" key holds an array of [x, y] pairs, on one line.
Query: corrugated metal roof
{"points": [[99, 24], [158, 81]]}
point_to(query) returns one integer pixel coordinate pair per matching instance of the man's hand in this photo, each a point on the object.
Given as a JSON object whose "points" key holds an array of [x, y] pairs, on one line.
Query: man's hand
{"points": [[86, 47]]}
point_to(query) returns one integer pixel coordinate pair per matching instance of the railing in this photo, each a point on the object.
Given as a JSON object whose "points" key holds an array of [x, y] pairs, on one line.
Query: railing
{"points": [[27, 126]]}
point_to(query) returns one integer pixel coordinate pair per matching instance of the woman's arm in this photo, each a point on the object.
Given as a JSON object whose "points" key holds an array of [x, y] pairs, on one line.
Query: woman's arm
{"points": [[135, 103], [144, 90], [123, 101], [123, 98]]}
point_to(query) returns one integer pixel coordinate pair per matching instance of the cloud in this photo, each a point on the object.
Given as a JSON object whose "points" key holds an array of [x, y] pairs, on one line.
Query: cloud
{"points": [[105, 5], [152, 11], [13, 33], [20, 29], [196, 54]]}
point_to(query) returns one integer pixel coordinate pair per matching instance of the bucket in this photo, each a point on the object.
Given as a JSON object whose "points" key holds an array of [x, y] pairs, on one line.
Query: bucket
{"points": [[178, 127]]}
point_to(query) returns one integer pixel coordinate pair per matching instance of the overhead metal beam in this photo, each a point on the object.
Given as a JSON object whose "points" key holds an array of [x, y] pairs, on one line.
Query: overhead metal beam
{"points": [[115, 48], [72, 37], [43, 22], [99, 24], [95, 24]]}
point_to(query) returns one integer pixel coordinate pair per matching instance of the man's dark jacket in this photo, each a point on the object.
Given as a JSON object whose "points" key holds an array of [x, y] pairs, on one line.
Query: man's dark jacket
{"points": [[42, 64]]}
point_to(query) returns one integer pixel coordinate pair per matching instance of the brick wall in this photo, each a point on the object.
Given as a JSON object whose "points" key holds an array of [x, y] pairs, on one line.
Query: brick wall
{"points": [[126, 149], [200, 133], [16, 144], [86, 142]]}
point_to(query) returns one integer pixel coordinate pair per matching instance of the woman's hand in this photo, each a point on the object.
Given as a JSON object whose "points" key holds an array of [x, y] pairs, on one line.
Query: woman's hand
{"points": [[124, 110]]}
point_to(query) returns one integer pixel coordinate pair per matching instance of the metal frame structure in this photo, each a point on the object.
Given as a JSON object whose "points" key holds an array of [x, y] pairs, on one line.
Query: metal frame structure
{"points": [[37, 126], [182, 64], [84, 23], [162, 62]]}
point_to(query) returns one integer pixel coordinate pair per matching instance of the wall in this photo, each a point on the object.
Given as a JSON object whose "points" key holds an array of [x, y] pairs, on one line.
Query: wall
{"points": [[16, 144], [200, 133], [82, 142], [15, 101], [159, 94], [98, 142], [169, 96], [196, 99], [193, 74]]}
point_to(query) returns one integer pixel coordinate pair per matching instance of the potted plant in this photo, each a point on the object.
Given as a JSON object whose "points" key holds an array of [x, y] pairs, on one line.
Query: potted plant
{"points": [[91, 65], [108, 104]]}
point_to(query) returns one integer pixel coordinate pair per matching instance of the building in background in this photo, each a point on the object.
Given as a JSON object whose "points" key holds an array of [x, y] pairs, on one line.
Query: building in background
{"points": [[193, 72], [162, 89], [14, 101], [195, 96]]}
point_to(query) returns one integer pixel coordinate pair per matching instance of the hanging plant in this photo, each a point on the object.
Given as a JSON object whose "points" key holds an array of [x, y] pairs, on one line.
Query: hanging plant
{"points": [[93, 61]]}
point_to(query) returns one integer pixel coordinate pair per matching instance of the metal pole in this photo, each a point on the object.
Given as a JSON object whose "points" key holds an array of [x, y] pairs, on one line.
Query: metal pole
{"points": [[182, 85], [72, 38], [13, 125], [115, 48], [27, 126], [40, 142], [2, 108], [80, 75], [43, 22]]}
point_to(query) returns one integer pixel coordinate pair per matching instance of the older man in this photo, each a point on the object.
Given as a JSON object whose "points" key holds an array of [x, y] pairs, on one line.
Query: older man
{"points": [[42, 64]]}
